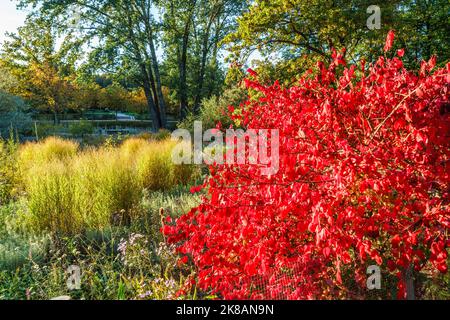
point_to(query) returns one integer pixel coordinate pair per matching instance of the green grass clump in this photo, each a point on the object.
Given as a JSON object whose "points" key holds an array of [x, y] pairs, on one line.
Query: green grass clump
{"points": [[17, 248], [106, 188], [156, 170], [70, 191], [8, 170], [174, 203], [52, 202], [154, 166]]}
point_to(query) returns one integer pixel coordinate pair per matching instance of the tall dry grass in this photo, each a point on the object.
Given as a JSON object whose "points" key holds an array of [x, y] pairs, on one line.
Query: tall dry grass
{"points": [[70, 190], [53, 148]]}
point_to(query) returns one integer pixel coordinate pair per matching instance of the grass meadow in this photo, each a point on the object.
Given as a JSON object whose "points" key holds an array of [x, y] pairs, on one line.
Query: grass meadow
{"points": [[98, 208]]}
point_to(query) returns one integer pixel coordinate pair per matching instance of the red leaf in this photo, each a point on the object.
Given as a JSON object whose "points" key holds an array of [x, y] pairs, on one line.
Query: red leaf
{"points": [[252, 72], [389, 41]]}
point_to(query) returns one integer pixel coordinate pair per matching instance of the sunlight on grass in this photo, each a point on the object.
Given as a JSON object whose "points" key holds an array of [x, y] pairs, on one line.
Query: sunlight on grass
{"points": [[70, 190]]}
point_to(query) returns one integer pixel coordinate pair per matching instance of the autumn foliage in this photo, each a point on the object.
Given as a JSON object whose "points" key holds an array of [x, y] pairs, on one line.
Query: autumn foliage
{"points": [[363, 180]]}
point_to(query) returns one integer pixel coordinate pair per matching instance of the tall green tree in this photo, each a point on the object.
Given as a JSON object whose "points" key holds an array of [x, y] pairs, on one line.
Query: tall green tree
{"points": [[292, 34], [193, 31], [178, 22], [151, 41], [122, 34], [214, 20], [42, 68], [423, 29]]}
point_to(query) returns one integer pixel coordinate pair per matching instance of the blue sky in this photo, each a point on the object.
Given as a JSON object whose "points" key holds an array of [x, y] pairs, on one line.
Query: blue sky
{"points": [[10, 18]]}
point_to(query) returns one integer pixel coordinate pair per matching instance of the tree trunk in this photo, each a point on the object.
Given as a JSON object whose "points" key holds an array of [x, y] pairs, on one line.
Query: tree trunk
{"points": [[144, 11], [148, 85], [147, 80], [212, 84], [201, 78], [153, 86], [159, 93], [184, 107], [154, 112]]}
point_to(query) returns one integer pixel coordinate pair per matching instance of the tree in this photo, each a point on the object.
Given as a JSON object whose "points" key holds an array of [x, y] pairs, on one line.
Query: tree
{"points": [[193, 31], [125, 31], [294, 34], [178, 21], [137, 101], [43, 71], [114, 97], [128, 34], [422, 28], [87, 95], [13, 115]]}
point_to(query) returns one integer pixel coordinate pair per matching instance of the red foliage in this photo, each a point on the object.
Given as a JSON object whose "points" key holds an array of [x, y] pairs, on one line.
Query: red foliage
{"points": [[363, 179]]}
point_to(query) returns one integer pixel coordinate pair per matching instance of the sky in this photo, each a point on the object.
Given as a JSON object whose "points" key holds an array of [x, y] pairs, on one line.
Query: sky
{"points": [[10, 18]]}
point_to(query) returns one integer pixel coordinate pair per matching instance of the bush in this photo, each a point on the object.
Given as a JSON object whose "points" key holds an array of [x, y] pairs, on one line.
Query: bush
{"points": [[156, 170], [174, 203], [108, 188], [130, 147], [16, 248], [363, 180], [52, 202], [154, 165], [215, 110], [162, 135], [127, 266], [12, 115], [91, 190], [81, 128], [45, 130]]}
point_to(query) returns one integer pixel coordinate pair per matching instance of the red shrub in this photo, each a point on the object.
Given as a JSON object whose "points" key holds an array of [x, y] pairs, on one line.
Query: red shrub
{"points": [[363, 179]]}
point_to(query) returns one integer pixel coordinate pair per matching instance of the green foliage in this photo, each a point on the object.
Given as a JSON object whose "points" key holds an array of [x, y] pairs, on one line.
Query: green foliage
{"points": [[8, 170], [12, 115], [42, 68], [17, 248], [174, 203], [116, 263], [105, 276], [292, 36], [423, 29], [114, 97], [162, 135], [45, 130], [215, 110], [81, 128]]}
